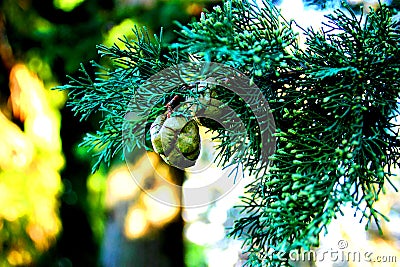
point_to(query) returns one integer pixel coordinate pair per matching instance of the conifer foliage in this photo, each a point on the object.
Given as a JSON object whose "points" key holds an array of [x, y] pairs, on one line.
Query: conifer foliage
{"points": [[334, 104]]}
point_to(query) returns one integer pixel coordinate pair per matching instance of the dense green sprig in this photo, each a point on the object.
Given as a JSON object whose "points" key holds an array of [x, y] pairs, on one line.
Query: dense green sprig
{"points": [[254, 40], [336, 136], [113, 87]]}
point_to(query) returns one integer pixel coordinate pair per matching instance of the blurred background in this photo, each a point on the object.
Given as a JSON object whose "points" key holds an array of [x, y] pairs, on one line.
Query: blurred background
{"points": [[53, 211]]}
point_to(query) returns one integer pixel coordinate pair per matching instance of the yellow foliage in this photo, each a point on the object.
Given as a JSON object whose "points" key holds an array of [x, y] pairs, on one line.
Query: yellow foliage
{"points": [[30, 161]]}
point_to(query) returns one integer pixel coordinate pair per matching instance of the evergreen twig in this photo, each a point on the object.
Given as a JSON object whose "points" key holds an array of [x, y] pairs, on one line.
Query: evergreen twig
{"points": [[334, 105]]}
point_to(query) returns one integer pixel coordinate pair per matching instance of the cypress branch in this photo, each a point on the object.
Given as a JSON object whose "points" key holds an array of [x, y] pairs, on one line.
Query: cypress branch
{"points": [[334, 105]]}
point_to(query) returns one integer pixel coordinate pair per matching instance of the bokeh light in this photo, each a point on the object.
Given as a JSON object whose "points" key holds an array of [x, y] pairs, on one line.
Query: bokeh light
{"points": [[30, 162]]}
